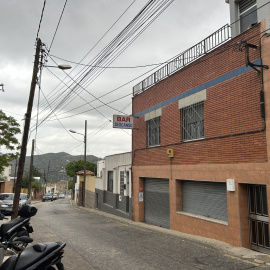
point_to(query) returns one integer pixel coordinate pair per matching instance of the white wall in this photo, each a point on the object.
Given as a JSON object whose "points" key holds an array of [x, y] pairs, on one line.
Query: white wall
{"points": [[117, 163], [100, 167], [7, 172]]}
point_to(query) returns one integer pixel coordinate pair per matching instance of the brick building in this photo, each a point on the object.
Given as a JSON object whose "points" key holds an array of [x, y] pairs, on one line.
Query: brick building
{"points": [[201, 138]]}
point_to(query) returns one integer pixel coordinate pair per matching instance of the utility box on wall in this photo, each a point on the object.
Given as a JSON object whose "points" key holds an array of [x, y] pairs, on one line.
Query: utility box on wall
{"points": [[230, 185], [170, 153]]}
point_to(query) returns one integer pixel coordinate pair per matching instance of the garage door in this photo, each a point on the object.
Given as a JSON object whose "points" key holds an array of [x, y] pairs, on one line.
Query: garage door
{"points": [[157, 202]]}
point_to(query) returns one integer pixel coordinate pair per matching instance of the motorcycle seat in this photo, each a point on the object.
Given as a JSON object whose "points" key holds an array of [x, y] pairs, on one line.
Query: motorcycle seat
{"points": [[12, 223], [30, 256]]}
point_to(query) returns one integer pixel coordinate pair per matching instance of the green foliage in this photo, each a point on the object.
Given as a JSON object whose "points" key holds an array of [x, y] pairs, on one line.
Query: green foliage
{"points": [[9, 128], [70, 184], [3, 178], [75, 166], [36, 172], [34, 183]]}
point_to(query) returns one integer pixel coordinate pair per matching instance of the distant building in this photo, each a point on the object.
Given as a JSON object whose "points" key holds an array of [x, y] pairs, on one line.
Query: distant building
{"points": [[89, 189], [5, 175], [113, 185]]}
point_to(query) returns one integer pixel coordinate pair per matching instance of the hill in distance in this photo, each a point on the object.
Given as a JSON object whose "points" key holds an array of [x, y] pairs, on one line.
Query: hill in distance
{"points": [[54, 162]]}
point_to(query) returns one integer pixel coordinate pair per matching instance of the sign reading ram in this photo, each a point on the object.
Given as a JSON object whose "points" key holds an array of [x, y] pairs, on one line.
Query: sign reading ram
{"points": [[123, 121]]}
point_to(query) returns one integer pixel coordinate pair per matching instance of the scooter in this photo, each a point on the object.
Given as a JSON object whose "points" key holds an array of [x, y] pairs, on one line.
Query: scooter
{"points": [[43, 256], [19, 226]]}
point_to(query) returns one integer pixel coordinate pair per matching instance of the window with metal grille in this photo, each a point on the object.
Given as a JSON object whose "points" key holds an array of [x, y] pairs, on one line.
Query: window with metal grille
{"points": [[192, 122], [110, 181], [247, 13], [122, 181], [153, 131]]}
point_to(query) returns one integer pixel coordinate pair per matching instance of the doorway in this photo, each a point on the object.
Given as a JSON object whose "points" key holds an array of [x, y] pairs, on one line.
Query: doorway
{"points": [[258, 218]]}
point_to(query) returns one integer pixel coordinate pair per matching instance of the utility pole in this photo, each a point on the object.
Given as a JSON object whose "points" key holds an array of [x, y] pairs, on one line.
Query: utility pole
{"points": [[26, 131], [31, 170], [45, 184], [84, 173]]}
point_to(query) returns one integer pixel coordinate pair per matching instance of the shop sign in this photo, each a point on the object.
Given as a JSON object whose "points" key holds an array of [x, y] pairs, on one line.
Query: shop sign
{"points": [[123, 121]]}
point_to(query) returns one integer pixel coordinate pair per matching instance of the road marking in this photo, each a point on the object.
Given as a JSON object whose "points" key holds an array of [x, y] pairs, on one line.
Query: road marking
{"points": [[245, 261]]}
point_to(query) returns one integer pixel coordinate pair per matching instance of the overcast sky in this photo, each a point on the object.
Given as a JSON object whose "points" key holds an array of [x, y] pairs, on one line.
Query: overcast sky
{"points": [[81, 35]]}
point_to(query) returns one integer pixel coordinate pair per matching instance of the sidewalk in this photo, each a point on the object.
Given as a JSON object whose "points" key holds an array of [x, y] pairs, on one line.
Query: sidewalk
{"points": [[238, 253]]}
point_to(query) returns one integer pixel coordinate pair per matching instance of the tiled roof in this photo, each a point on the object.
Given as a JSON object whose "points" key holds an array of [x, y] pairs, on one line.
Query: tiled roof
{"points": [[87, 173]]}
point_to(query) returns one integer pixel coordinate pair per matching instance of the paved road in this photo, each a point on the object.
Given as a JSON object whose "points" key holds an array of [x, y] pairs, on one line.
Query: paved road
{"points": [[99, 241]]}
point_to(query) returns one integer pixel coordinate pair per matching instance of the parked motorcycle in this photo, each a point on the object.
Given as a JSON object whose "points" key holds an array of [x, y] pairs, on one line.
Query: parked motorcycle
{"points": [[19, 226], [43, 256]]}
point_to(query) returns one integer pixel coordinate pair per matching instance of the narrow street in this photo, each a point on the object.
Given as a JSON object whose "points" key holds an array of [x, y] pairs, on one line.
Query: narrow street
{"points": [[98, 241]]}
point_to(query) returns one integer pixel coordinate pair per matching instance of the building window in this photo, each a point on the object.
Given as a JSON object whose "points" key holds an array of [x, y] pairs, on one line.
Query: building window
{"points": [[192, 122], [247, 13], [122, 182], [110, 181], [153, 131]]}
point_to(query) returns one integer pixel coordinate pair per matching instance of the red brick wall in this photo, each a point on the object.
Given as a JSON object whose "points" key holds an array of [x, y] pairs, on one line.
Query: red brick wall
{"points": [[232, 107]]}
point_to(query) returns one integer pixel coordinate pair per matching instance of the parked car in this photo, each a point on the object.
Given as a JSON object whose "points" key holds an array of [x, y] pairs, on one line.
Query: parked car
{"points": [[47, 197], [6, 201], [55, 196], [62, 196]]}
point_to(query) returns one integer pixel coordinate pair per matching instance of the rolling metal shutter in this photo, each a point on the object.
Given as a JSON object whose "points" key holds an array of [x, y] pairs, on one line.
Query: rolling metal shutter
{"points": [[207, 199], [157, 202]]}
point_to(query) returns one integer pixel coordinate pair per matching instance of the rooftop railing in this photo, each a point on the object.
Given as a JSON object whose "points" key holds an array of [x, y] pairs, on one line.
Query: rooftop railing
{"points": [[200, 49]]}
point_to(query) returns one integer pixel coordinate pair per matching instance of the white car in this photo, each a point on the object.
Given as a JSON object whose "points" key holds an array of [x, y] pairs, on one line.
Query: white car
{"points": [[6, 201], [62, 196]]}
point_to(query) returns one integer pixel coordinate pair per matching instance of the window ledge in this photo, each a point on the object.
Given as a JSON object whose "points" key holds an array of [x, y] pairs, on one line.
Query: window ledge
{"points": [[152, 146], [194, 140], [204, 218]]}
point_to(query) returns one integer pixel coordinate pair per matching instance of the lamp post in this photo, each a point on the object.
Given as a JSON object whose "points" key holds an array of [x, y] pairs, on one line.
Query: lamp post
{"points": [[84, 172], [17, 190]]}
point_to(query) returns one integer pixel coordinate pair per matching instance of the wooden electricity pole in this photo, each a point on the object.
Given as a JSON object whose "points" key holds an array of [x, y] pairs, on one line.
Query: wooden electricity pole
{"points": [[26, 132]]}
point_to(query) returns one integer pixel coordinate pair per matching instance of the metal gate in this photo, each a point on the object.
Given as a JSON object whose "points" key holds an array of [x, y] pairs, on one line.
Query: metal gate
{"points": [[157, 202], [258, 218]]}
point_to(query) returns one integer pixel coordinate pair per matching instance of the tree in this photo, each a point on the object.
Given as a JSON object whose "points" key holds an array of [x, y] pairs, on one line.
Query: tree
{"points": [[34, 183], [70, 184], [9, 128], [75, 166]]}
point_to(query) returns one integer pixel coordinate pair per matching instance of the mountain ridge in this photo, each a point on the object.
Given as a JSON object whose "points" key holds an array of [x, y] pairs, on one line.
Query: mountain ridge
{"points": [[52, 163]]}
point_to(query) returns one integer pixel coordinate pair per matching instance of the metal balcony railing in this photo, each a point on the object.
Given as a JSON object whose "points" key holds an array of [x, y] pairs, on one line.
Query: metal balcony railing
{"points": [[211, 42]]}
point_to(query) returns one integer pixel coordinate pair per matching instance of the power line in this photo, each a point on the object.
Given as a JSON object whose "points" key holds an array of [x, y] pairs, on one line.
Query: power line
{"points": [[108, 67], [58, 24], [41, 17], [109, 50], [101, 38]]}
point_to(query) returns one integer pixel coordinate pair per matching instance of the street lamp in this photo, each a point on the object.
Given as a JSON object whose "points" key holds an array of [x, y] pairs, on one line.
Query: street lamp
{"points": [[84, 171], [63, 67]]}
